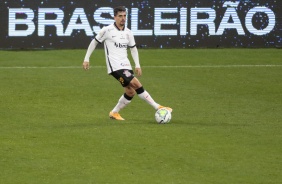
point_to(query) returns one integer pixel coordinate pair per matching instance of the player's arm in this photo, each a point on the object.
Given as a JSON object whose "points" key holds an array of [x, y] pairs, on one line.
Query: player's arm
{"points": [[90, 49], [98, 39], [134, 53], [135, 56]]}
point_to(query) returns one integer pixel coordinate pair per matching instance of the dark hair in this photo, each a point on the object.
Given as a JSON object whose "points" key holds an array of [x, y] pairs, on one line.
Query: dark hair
{"points": [[119, 9]]}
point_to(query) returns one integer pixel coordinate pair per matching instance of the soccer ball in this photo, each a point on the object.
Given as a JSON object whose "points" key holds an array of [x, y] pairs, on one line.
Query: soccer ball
{"points": [[163, 116]]}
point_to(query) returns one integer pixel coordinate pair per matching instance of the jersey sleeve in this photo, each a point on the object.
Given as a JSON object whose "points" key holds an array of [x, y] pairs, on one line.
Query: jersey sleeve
{"points": [[131, 39], [101, 36]]}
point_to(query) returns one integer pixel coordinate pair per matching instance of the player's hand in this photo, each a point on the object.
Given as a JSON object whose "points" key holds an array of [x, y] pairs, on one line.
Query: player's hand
{"points": [[85, 65], [138, 71]]}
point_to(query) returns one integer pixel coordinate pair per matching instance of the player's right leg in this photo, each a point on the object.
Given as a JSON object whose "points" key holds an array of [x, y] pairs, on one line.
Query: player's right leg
{"points": [[115, 115], [123, 101], [124, 77]]}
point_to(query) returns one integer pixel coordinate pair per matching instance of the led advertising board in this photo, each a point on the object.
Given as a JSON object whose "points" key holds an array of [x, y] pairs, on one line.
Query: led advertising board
{"points": [[155, 24]]}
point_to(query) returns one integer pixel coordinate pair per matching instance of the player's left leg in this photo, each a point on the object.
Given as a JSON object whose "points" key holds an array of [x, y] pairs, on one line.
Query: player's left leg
{"points": [[143, 94]]}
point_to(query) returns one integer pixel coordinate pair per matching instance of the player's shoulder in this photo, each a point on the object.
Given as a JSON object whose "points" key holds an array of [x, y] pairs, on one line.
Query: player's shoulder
{"points": [[105, 31], [128, 31], [108, 27]]}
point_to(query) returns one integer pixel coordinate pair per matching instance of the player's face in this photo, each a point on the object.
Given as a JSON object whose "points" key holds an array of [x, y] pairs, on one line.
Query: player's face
{"points": [[120, 18]]}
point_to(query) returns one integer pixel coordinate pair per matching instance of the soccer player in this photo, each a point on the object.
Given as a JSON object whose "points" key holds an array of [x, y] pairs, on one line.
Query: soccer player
{"points": [[117, 38]]}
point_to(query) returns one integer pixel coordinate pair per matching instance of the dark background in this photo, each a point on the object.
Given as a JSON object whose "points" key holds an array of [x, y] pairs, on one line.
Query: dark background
{"points": [[79, 39]]}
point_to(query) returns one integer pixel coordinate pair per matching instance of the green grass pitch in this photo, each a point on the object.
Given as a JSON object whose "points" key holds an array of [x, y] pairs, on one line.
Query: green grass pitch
{"points": [[226, 126]]}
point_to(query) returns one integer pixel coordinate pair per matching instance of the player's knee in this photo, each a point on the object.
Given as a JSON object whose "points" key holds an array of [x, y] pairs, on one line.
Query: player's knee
{"points": [[135, 84], [129, 98], [130, 91]]}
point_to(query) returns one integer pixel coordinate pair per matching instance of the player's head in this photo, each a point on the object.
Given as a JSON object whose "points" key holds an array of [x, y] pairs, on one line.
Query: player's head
{"points": [[120, 15], [119, 9]]}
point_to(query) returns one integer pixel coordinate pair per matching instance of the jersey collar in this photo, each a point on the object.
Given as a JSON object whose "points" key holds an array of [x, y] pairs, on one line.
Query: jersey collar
{"points": [[118, 28]]}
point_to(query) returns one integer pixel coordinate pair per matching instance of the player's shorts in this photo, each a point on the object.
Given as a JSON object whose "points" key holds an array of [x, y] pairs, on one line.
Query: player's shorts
{"points": [[124, 76]]}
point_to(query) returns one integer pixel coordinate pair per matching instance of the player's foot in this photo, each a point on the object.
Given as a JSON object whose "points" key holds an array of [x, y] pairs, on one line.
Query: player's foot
{"points": [[115, 115], [168, 108]]}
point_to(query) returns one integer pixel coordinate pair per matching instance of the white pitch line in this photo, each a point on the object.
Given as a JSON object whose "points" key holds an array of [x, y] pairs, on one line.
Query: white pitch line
{"points": [[213, 66], [44, 67], [182, 66]]}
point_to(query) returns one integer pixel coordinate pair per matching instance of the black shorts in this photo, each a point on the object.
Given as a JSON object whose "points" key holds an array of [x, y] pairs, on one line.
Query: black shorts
{"points": [[124, 76]]}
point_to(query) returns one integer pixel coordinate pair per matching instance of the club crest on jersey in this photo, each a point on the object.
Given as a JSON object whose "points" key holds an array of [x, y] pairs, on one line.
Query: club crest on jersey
{"points": [[127, 73], [119, 45]]}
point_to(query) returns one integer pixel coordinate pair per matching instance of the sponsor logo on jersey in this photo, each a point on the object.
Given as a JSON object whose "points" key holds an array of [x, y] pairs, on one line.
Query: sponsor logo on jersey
{"points": [[120, 45], [124, 64]]}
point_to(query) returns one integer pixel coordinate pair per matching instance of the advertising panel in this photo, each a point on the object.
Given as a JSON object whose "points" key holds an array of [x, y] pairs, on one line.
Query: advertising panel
{"points": [[155, 24]]}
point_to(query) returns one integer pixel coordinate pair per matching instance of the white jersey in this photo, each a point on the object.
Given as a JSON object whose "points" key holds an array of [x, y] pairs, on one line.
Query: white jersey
{"points": [[116, 42]]}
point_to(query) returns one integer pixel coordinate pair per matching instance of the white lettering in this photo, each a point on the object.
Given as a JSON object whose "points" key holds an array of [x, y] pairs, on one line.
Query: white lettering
{"points": [[230, 13], [209, 21], [101, 20], [159, 21], [231, 4], [134, 24], [271, 20], [84, 25], [13, 21], [183, 21], [22, 21], [42, 21]]}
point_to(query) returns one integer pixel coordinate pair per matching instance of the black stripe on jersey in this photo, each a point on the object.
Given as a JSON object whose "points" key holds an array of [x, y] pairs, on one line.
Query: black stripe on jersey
{"points": [[132, 46], [97, 40], [118, 28], [108, 58]]}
